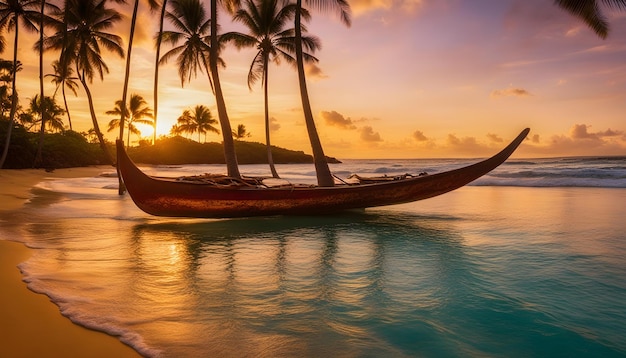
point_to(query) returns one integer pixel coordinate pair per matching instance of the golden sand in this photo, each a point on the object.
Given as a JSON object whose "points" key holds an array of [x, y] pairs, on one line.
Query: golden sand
{"points": [[30, 324]]}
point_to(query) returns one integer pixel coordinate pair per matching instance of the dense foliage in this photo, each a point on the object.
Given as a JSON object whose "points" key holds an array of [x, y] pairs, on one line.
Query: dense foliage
{"points": [[179, 150], [60, 150], [72, 149]]}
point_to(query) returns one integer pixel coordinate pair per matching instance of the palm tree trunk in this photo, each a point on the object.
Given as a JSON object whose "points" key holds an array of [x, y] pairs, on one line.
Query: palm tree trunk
{"points": [[38, 158], [156, 70], [96, 127], [324, 177], [64, 64], [13, 97], [122, 188], [128, 136], [127, 71], [270, 158], [230, 156], [67, 109]]}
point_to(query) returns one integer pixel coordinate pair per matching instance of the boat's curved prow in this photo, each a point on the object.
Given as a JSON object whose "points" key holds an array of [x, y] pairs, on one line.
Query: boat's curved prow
{"points": [[506, 152]]}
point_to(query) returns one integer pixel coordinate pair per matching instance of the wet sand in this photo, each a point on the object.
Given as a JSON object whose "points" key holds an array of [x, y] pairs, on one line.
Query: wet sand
{"points": [[30, 324]]}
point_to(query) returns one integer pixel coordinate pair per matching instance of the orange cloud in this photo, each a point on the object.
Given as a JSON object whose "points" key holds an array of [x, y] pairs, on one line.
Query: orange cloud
{"points": [[580, 131], [510, 92], [368, 135], [581, 141], [274, 125], [336, 119], [419, 136], [407, 6], [495, 138]]}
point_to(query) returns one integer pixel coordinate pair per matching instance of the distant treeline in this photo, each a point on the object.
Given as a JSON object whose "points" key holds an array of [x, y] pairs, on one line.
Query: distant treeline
{"points": [[179, 150], [72, 149]]}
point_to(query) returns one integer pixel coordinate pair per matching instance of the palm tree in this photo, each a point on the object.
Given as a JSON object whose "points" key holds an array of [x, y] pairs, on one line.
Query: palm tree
{"points": [[84, 34], [198, 120], [241, 132], [266, 24], [153, 5], [11, 13], [6, 78], [589, 11], [43, 18], [156, 67], [2, 43], [205, 120], [138, 112], [189, 18], [229, 145], [62, 77], [52, 113], [324, 177]]}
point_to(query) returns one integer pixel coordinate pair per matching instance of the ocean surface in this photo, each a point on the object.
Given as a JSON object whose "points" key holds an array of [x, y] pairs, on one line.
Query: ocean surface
{"points": [[528, 261]]}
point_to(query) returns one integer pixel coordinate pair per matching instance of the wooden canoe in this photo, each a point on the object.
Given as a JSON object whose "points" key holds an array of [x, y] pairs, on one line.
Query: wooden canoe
{"points": [[171, 197]]}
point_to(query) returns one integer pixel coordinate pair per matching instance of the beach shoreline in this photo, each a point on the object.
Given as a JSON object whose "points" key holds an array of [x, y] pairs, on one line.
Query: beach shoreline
{"points": [[32, 326]]}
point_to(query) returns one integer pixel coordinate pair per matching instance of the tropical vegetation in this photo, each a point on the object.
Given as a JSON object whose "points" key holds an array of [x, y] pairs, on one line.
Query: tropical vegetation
{"points": [[242, 132], [137, 111], [80, 34], [199, 119], [266, 21], [72, 149]]}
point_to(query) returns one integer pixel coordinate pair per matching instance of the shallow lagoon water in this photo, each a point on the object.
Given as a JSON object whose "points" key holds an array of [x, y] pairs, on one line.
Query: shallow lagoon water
{"points": [[482, 271]]}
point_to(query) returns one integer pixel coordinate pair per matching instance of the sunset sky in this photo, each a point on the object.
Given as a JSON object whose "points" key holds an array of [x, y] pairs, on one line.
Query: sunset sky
{"points": [[408, 79]]}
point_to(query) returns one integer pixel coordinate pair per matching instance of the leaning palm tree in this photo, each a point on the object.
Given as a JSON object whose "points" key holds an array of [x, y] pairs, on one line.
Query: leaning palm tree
{"points": [[324, 176], [133, 22], [589, 11], [136, 112], [153, 5], [266, 22], [86, 23], [156, 67], [228, 142], [193, 27], [13, 15], [63, 77], [43, 19]]}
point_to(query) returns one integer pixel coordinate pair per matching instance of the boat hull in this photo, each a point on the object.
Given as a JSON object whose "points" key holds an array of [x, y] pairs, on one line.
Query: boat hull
{"points": [[168, 197]]}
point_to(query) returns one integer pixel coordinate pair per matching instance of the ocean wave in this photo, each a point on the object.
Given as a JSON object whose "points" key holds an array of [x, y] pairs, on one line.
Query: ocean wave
{"points": [[72, 307]]}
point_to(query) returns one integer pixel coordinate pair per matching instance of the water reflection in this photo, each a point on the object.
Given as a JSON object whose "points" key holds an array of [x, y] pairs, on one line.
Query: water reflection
{"points": [[276, 286], [511, 272]]}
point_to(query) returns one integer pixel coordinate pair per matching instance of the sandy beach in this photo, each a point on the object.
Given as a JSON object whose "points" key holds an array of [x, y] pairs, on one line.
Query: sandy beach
{"points": [[32, 326]]}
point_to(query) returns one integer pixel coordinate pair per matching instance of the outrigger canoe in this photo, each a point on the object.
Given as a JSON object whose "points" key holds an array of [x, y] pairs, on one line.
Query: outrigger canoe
{"points": [[201, 199]]}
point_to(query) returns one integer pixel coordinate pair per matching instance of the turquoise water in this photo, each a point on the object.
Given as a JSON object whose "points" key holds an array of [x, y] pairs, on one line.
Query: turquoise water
{"points": [[483, 271]]}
